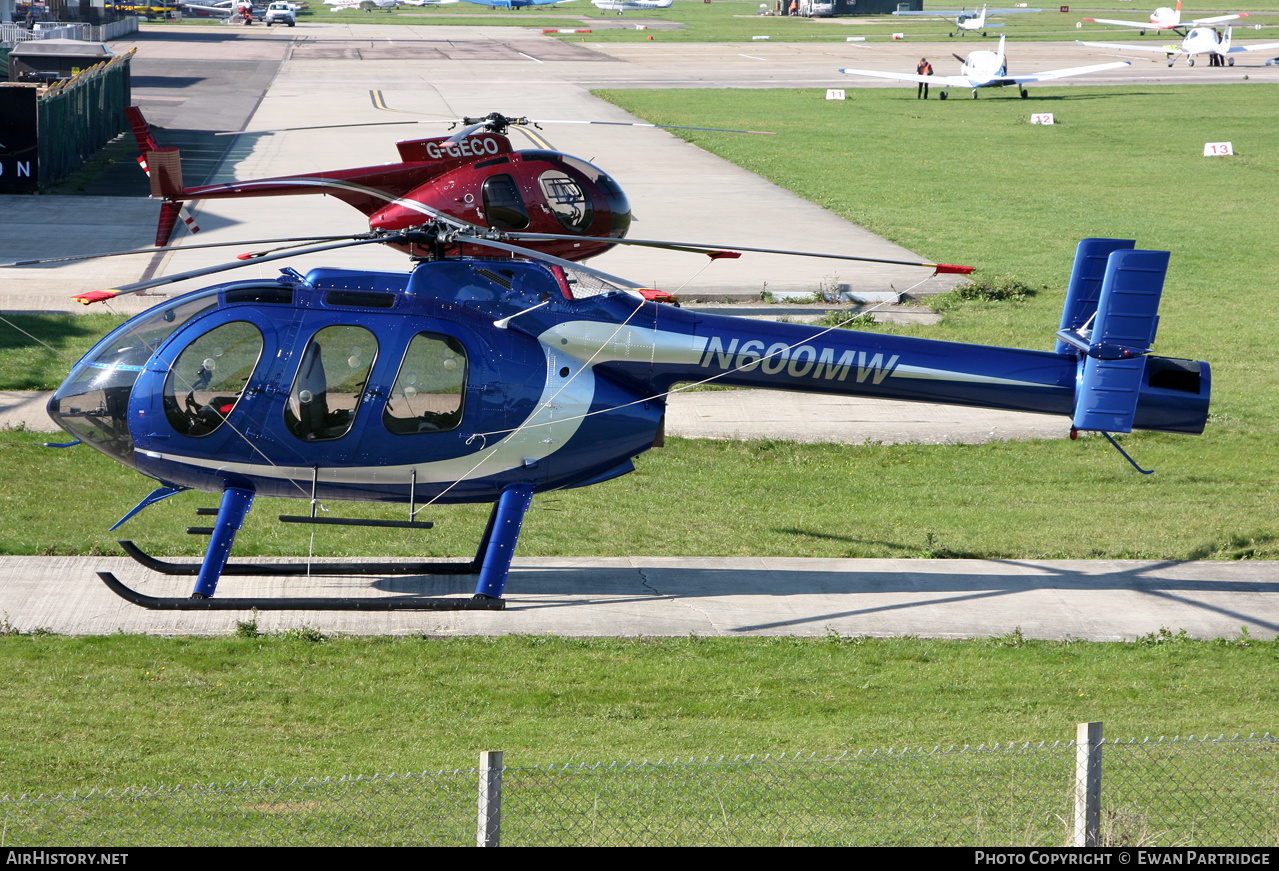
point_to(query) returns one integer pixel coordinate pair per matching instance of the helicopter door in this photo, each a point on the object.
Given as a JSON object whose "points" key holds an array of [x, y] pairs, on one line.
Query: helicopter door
{"points": [[430, 389], [330, 383], [503, 205], [208, 378]]}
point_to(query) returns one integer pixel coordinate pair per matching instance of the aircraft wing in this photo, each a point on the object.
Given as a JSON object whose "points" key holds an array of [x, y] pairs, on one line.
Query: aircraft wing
{"points": [[1216, 19], [1049, 75], [1265, 46], [1159, 49], [943, 81], [1144, 25]]}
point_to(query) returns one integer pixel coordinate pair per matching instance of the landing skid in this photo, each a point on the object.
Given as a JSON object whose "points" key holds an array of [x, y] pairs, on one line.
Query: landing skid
{"points": [[478, 602], [492, 563], [294, 569]]}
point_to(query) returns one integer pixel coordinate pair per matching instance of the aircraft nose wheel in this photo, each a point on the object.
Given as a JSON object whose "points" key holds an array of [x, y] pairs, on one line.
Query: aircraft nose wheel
{"points": [[1230, 61], [1190, 62], [942, 95]]}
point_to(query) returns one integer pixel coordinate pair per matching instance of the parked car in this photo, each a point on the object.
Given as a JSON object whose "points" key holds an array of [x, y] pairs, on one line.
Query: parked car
{"points": [[281, 12]]}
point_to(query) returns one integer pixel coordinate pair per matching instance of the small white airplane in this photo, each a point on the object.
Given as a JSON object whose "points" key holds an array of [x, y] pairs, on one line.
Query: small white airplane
{"points": [[966, 20], [200, 10], [987, 69], [1164, 18], [620, 6], [1201, 40]]}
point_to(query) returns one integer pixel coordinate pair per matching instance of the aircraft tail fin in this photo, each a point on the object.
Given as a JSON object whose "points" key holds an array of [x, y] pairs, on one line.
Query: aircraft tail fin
{"points": [[1224, 48], [141, 130], [1091, 256], [162, 165], [170, 211], [1117, 333]]}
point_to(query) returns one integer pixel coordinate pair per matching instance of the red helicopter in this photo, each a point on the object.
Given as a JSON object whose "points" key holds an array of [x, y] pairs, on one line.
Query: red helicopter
{"points": [[472, 180]]}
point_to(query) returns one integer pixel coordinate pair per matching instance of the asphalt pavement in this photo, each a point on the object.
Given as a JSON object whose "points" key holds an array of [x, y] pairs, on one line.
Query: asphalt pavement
{"points": [[194, 82]]}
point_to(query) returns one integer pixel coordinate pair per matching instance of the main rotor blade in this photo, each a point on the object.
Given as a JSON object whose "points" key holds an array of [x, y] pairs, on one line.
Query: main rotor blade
{"points": [[153, 250], [93, 296], [326, 127], [468, 130], [547, 258], [662, 126], [712, 250]]}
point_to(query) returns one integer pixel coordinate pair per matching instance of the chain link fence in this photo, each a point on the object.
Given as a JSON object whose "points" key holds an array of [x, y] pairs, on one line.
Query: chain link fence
{"points": [[1178, 792], [78, 116]]}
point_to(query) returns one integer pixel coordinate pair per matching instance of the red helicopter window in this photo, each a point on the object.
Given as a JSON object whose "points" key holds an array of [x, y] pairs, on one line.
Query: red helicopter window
{"points": [[428, 391], [209, 376], [330, 383], [503, 205], [567, 199]]}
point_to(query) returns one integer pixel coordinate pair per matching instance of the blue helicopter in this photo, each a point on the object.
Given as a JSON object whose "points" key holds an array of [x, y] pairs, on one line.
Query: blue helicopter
{"points": [[490, 380]]}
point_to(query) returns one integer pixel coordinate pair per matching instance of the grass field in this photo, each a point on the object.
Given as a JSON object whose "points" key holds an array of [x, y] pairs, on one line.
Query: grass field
{"points": [[739, 21], [127, 710]]}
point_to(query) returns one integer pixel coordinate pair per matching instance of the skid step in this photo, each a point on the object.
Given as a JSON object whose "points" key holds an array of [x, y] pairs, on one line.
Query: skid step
{"points": [[267, 603], [355, 521], [165, 567]]}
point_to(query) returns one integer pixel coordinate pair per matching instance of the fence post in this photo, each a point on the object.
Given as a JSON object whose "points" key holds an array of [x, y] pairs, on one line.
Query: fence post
{"points": [[1088, 743], [489, 831]]}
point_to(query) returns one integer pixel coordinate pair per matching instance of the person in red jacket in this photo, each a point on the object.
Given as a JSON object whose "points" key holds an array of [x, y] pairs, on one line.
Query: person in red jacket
{"points": [[924, 68]]}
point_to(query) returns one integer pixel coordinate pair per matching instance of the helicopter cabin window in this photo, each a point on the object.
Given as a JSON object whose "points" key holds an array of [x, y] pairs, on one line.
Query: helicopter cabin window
{"points": [[330, 383], [428, 391], [503, 204], [209, 376], [567, 199]]}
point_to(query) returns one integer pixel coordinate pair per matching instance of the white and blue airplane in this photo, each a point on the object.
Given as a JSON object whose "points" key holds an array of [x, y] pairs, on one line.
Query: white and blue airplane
{"points": [[1200, 40], [966, 20], [987, 69]]}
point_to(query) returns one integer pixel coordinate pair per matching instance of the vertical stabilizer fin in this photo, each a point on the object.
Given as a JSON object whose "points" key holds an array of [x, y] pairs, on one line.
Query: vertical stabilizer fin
{"points": [[141, 130], [1085, 283], [1114, 364], [169, 212]]}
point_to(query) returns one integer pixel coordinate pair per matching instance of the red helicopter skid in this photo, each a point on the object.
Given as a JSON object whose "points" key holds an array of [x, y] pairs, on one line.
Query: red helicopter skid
{"points": [[267, 603]]}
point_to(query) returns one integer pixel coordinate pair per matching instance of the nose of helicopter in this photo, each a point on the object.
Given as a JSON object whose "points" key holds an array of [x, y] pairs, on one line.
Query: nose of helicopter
{"points": [[93, 405]]}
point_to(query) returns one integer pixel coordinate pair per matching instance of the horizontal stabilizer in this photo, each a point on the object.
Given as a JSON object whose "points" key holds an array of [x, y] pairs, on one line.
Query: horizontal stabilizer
{"points": [[1121, 334]]}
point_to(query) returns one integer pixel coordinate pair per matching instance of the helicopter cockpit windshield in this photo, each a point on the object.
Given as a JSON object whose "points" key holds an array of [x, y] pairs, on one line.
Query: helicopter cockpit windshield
{"points": [[568, 201], [93, 402]]}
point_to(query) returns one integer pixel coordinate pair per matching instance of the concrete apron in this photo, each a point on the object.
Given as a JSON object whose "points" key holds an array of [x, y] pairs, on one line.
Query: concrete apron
{"points": [[1096, 600]]}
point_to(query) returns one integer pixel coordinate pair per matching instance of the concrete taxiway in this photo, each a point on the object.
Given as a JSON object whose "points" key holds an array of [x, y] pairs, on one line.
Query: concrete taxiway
{"points": [[1096, 600], [207, 79]]}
